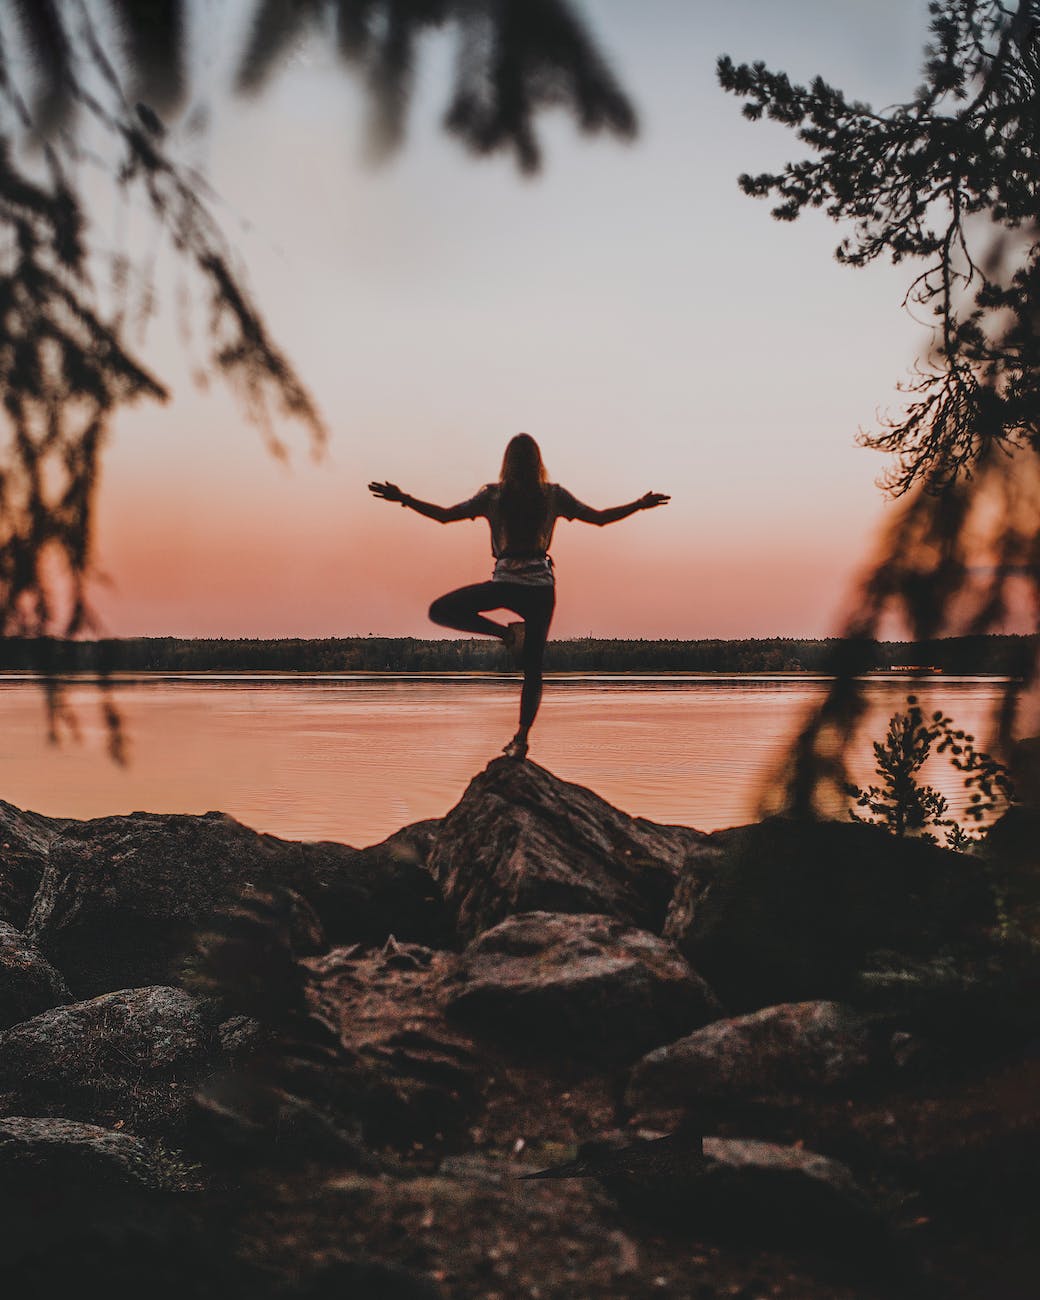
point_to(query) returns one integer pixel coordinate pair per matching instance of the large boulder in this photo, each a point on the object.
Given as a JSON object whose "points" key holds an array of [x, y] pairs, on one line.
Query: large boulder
{"points": [[131, 1057], [583, 985], [25, 839], [29, 984], [522, 840], [788, 1048], [121, 897], [787, 911]]}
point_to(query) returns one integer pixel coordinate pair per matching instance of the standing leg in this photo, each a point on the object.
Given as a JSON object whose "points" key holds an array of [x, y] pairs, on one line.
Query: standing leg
{"points": [[536, 605]]}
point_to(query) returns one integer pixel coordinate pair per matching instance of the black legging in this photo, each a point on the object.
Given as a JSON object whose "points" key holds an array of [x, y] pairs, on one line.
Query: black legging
{"points": [[463, 610]]}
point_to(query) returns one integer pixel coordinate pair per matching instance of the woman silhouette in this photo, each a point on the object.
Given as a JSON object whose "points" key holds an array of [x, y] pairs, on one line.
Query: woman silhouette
{"points": [[522, 509]]}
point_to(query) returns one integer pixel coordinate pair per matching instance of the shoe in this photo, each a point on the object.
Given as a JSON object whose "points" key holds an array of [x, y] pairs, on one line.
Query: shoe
{"points": [[514, 642], [517, 748]]}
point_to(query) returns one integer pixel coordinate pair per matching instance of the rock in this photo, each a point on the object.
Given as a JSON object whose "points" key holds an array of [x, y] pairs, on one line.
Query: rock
{"points": [[1025, 770], [412, 1077], [522, 840], [971, 1006], [122, 896], [755, 1191], [131, 1057], [29, 984], [239, 1036], [87, 1211], [787, 911], [48, 1155], [780, 1194], [25, 839], [1014, 839], [583, 985], [365, 895], [405, 956], [787, 1048], [1011, 850]]}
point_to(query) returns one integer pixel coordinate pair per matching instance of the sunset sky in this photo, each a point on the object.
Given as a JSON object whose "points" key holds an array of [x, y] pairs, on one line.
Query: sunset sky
{"points": [[630, 308]]}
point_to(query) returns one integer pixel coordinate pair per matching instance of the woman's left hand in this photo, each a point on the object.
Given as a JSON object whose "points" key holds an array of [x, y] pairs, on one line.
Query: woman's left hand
{"points": [[652, 499]]}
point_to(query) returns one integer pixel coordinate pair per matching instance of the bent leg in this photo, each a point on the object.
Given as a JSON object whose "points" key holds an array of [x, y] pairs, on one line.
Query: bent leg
{"points": [[461, 609]]}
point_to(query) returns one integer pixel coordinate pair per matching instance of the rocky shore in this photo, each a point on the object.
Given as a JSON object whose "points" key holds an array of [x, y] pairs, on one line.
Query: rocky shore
{"points": [[537, 1048]]}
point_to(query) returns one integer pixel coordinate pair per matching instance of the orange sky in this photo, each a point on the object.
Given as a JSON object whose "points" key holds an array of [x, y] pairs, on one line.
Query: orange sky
{"points": [[652, 327]]}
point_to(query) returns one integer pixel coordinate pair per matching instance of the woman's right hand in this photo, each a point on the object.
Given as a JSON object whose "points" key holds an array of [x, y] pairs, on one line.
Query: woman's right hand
{"points": [[386, 491]]}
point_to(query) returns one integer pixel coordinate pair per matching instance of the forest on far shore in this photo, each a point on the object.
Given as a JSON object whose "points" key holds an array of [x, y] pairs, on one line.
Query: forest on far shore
{"points": [[1004, 655]]}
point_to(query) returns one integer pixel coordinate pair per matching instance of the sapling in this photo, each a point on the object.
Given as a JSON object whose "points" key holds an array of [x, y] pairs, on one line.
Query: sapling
{"points": [[904, 805]]}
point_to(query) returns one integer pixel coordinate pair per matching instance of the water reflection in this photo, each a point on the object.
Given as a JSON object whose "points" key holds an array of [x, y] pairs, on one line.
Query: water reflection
{"points": [[352, 758]]}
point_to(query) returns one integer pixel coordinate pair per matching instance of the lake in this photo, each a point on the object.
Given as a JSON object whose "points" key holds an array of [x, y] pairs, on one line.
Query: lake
{"points": [[353, 758]]}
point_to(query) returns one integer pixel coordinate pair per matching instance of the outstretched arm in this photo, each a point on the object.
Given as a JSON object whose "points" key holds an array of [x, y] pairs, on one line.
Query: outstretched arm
{"points": [[443, 514], [610, 516]]}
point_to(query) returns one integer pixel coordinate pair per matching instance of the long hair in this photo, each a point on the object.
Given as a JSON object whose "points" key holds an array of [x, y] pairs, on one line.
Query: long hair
{"points": [[523, 496]]}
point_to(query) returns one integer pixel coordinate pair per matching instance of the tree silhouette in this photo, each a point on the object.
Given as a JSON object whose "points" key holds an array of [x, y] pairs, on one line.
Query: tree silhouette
{"points": [[904, 806], [70, 353], [948, 181]]}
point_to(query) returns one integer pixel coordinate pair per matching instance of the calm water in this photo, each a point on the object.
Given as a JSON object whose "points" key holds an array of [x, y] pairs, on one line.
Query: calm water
{"points": [[352, 759]]}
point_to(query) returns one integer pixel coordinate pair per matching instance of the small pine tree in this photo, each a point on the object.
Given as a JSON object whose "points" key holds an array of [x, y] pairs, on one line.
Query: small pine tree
{"points": [[905, 806], [900, 802]]}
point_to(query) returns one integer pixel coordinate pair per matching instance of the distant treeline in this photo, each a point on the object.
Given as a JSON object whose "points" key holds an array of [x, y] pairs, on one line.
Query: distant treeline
{"points": [[992, 654]]}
